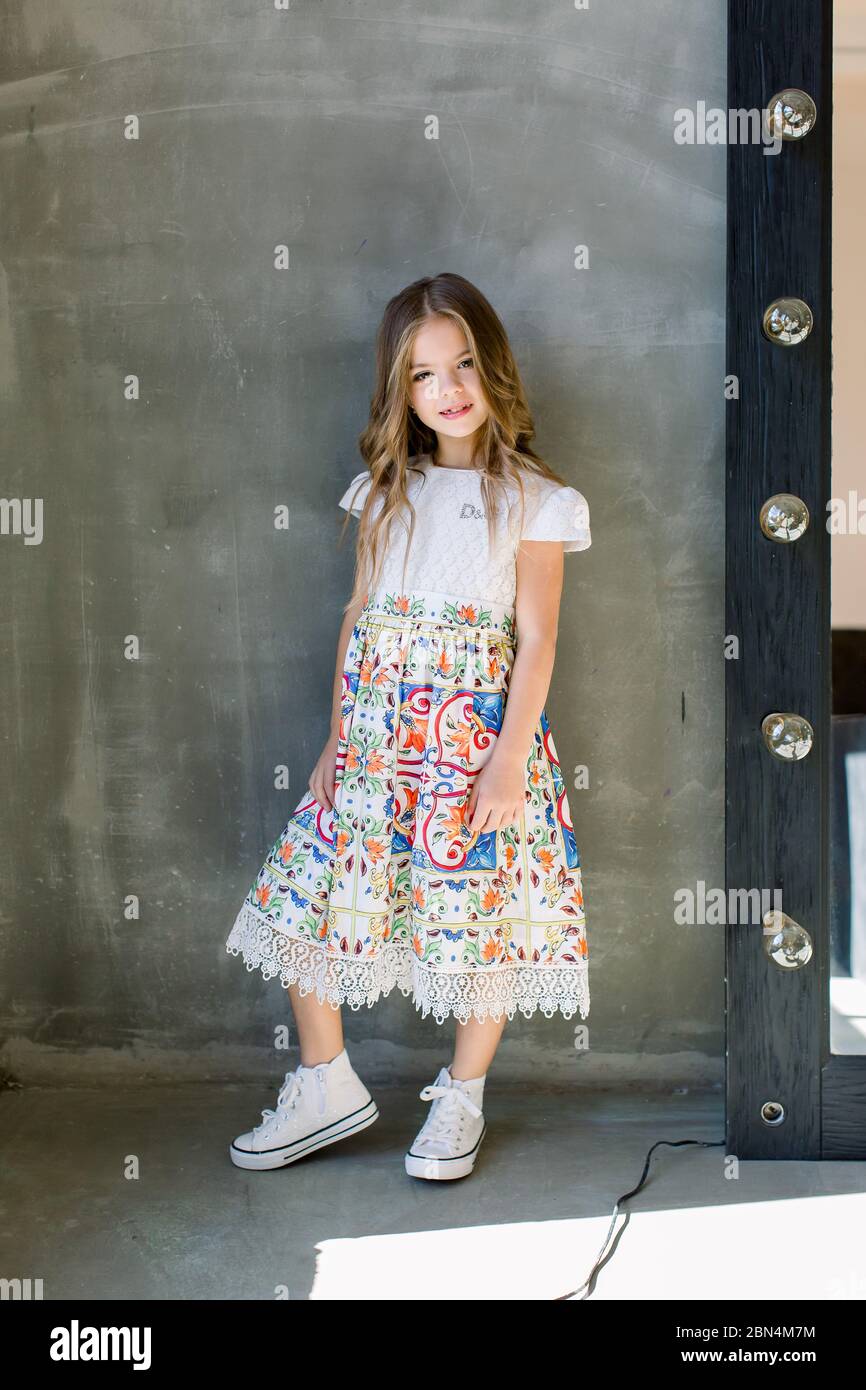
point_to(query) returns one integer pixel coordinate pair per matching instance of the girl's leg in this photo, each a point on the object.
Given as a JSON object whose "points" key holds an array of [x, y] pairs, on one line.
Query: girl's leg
{"points": [[475, 1046], [320, 1028]]}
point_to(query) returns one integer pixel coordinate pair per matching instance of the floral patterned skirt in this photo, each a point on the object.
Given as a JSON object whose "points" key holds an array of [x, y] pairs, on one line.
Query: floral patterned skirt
{"points": [[391, 888]]}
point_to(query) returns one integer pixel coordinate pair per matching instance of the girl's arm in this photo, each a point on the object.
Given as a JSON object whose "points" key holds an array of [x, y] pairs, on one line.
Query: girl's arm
{"points": [[498, 796], [323, 777]]}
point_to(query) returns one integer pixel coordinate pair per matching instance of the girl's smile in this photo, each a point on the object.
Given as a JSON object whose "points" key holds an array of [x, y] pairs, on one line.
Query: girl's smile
{"points": [[454, 412]]}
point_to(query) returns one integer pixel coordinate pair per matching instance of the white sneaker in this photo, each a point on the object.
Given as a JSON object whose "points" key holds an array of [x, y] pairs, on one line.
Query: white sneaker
{"points": [[447, 1145], [315, 1106]]}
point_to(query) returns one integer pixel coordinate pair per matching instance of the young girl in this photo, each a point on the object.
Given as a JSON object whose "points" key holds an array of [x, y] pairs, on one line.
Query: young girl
{"points": [[434, 850]]}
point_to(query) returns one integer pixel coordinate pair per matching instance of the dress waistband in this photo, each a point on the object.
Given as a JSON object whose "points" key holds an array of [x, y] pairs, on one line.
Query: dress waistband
{"points": [[425, 607]]}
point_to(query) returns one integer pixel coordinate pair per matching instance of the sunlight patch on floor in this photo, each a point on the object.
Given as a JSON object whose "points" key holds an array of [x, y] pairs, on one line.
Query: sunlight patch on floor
{"points": [[808, 1247]]}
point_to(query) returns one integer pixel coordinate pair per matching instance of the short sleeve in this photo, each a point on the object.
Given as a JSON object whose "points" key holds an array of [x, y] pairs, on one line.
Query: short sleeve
{"points": [[560, 515], [355, 496]]}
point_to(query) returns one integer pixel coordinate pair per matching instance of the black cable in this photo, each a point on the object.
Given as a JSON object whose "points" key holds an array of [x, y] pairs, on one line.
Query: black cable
{"points": [[672, 1143]]}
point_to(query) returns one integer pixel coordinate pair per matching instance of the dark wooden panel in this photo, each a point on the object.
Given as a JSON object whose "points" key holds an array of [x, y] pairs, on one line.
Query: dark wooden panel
{"points": [[778, 596], [844, 1108], [849, 671], [848, 735]]}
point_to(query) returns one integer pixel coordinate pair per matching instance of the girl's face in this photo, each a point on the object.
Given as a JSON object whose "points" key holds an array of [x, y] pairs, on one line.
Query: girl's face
{"points": [[444, 386]]}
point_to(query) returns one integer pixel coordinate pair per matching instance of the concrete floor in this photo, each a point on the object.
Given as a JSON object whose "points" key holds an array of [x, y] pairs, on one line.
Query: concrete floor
{"points": [[348, 1223]]}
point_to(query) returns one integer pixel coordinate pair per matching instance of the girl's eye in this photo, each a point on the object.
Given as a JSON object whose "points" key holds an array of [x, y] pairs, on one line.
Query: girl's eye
{"points": [[419, 376]]}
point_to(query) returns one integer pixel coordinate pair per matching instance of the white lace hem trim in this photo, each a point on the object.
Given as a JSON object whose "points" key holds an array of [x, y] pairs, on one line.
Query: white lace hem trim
{"points": [[486, 991]]}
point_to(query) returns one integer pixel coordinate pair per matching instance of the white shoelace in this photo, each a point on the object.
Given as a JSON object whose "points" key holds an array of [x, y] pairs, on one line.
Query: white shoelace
{"points": [[289, 1093], [441, 1121]]}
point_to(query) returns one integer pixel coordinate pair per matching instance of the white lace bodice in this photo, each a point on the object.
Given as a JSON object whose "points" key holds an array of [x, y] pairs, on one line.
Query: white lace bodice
{"points": [[451, 552]]}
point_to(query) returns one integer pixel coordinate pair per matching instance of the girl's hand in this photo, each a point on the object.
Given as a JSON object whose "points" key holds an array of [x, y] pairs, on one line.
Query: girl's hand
{"points": [[323, 779], [498, 797]]}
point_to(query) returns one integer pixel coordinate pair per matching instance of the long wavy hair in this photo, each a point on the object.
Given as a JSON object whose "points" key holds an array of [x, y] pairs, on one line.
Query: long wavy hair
{"points": [[395, 435]]}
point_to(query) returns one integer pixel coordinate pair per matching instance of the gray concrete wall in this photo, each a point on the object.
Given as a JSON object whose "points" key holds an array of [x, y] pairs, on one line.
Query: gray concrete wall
{"points": [[154, 257]]}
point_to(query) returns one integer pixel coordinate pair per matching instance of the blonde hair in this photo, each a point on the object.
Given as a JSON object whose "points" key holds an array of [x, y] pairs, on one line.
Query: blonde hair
{"points": [[395, 434]]}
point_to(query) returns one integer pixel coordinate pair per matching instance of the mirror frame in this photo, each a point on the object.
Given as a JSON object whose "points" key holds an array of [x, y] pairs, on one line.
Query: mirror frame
{"points": [[778, 436]]}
